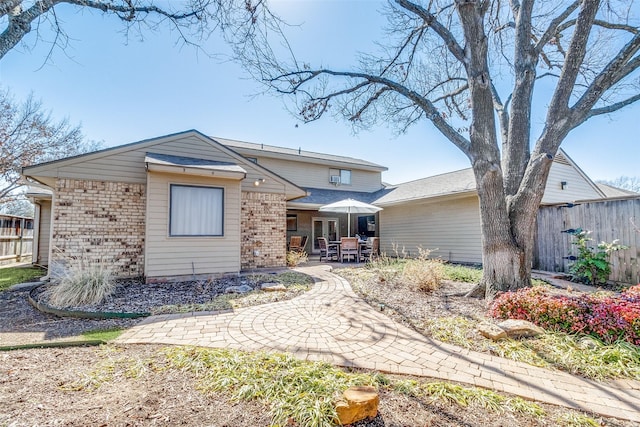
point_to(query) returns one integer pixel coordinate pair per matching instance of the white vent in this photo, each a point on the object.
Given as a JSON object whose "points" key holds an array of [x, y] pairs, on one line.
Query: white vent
{"points": [[334, 179]]}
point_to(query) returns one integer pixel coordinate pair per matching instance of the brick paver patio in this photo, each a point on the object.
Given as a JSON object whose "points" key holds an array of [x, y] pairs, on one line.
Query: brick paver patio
{"points": [[331, 323]]}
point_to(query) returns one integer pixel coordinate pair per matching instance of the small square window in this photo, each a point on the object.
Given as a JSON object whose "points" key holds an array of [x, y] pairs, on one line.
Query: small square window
{"points": [[340, 176], [196, 211]]}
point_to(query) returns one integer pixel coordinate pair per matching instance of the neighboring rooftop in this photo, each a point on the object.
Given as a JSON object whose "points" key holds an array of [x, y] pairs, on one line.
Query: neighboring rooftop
{"points": [[278, 152], [611, 191], [445, 184]]}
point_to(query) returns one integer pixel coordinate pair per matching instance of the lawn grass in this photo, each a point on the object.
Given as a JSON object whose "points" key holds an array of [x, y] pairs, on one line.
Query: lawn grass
{"points": [[299, 392], [580, 355], [577, 354], [10, 276], [306, 391]]}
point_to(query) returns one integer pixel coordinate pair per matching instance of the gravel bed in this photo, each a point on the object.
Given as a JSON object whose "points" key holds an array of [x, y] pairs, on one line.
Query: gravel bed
{"points": [[135, 296], [21, 323]]}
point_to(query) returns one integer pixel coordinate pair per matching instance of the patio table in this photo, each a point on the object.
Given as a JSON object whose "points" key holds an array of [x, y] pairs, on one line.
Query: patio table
{"points": [[338, 244]]}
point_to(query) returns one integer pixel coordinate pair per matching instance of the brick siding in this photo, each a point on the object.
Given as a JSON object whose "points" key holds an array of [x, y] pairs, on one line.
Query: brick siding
{"points": [[99, 221], [263, 230]]}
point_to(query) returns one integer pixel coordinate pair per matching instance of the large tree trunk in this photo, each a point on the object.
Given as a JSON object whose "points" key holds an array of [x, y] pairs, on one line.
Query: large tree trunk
{"points": [[508, 237]]}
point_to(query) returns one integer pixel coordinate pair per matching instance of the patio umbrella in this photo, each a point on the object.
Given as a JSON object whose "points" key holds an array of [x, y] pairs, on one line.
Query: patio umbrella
{"points": [[349, 206]]}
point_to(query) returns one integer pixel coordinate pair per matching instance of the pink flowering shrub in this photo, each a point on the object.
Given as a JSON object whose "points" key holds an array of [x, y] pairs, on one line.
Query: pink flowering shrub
{"points": [[609, 318]]}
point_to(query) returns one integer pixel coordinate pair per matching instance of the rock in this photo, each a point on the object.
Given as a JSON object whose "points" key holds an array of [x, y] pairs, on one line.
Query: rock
{"points": [[516, 328], [273, 287], [588, 343], [359, 403], [242, 289], [491, 331]]}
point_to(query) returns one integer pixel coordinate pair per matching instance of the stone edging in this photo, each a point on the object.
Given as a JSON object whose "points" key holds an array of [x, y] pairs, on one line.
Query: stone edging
{"points": [[54, 344], [45, 308]]}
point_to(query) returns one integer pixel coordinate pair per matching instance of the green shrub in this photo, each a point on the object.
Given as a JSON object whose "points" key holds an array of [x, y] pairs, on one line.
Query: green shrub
{"points": [[591, 266], [83, 284]]}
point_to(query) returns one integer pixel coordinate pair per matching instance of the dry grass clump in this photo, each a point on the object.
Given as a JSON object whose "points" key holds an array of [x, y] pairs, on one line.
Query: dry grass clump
{"points": [[423, 273], [83, 284], [295, 258]]}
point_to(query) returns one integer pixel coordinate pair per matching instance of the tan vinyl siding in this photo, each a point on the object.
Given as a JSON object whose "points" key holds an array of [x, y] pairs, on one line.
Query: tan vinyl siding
{"points": [[450, 228], [578, 188], [182, 256], [128, 165], [44, 233], [317, 176]]}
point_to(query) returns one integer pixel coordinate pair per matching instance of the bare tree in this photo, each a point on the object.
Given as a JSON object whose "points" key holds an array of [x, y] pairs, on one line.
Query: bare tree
{"points": [[473, 69], [194, 20], [29, 135], [631, 183]]}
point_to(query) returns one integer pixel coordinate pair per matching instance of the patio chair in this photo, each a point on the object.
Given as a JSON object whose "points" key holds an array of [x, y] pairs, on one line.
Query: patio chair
{"points": [[295, 244], [327, 251], [349, 248], [371, 250], [303, 244]]}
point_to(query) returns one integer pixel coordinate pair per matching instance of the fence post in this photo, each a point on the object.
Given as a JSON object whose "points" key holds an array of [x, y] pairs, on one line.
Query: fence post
{"points": [[20, 240]]}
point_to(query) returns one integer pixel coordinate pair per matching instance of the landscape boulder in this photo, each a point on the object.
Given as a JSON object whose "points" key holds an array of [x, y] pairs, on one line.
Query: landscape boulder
{"points": [[273, 287], [516, 328], [491, 331], [359, 403], [242, 289]]}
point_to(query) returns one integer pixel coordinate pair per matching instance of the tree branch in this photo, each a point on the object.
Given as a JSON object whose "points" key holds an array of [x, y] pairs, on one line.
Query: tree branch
{"points": [[552, 30], [431, 112], [557, 113], [19, 22], [443, 32], [618, 68], [613, 107]]}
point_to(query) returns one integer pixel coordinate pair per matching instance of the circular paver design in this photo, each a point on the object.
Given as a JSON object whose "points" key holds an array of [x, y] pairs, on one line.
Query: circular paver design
{"points": [[311, 325], [331, 323]]}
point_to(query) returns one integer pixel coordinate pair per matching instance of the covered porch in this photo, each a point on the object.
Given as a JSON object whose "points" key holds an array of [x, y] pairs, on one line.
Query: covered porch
{"points": [[304, 218]]}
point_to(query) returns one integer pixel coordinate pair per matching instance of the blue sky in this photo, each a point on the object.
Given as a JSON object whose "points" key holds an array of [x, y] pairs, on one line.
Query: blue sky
{"points": [[124, 90]]}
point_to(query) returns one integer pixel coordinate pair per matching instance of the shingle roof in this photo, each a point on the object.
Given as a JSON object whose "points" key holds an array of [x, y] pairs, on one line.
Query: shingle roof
{"points": [[271, 149], [164, 159], [321, 196], [461, 181], [611, 191]]}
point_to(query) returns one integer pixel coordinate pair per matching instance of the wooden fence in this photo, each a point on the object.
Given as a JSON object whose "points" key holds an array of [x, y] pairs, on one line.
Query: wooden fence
{"points": [[607, 220], [16, 239]]}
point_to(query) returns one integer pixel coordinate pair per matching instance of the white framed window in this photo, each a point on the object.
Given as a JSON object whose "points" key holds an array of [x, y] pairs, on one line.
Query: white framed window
{"points": [[196, 211], [345, 176], [340, 176]]}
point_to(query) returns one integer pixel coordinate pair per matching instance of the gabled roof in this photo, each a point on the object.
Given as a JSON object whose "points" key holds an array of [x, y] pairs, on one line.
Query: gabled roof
{"points": [[612, 192], [34, 171], [562, 157], [446, 184], [453, 183], [250, 148]]}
